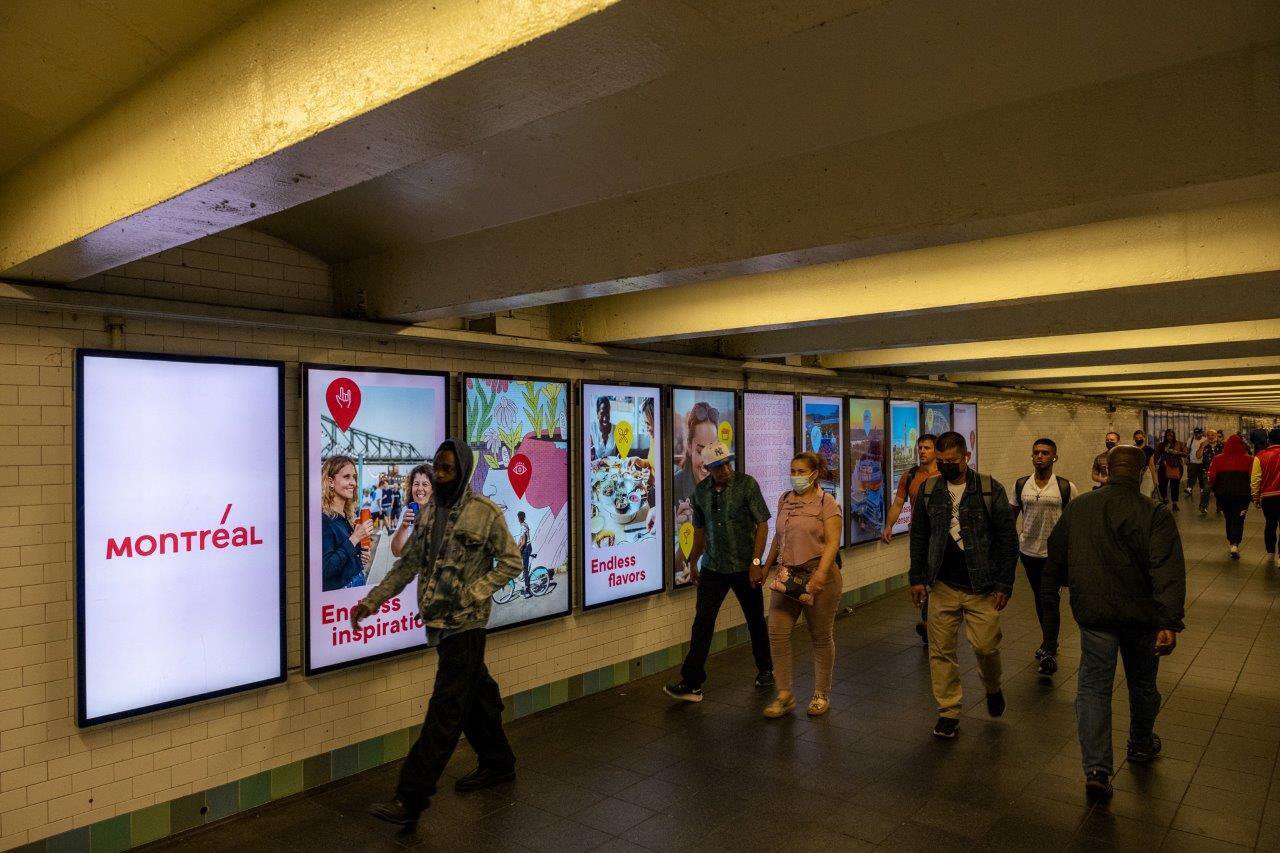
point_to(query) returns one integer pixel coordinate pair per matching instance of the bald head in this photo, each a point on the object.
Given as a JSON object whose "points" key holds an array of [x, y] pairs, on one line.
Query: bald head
{"points": [[1126, 462]]}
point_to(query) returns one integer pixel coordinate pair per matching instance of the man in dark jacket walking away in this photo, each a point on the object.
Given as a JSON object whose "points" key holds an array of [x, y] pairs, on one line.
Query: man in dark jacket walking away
{"points": [[1120, 553], [964, 552]]}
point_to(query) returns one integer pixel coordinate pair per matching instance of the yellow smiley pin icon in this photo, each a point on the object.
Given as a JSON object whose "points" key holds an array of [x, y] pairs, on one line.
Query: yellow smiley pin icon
{"points": [[686, 539], [725, 433], [622, 436]]}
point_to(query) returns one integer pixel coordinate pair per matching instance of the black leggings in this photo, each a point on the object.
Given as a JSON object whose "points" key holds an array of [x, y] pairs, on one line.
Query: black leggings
{"points": [[1169, 488], [1233, 510], [1271, 510]]}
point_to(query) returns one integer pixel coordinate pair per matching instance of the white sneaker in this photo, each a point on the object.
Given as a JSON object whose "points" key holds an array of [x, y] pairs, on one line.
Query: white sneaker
{"points": [[1234, 552]]}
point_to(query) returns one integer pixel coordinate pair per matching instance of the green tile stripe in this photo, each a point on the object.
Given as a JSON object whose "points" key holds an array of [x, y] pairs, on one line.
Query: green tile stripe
{"points": [[194, 810]]}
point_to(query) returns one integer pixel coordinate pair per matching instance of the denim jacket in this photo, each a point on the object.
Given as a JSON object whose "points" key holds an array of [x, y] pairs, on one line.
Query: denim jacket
{"points": [[479, 556], [990, 538]]}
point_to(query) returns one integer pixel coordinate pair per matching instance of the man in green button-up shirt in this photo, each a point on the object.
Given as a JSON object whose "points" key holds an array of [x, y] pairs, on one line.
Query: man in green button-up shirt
{"points": [[730, 526]]}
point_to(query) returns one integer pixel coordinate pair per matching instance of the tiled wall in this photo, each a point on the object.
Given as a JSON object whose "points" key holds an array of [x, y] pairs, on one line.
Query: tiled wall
{"points": [[55, 778]]}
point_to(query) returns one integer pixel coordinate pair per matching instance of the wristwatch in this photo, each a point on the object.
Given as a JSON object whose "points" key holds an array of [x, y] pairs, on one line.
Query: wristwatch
{"points": [[756, 562]]}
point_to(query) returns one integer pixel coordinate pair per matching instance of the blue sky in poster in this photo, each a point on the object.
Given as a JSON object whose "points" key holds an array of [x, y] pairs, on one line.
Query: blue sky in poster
{"points": [[905, 424], [398, 413]]}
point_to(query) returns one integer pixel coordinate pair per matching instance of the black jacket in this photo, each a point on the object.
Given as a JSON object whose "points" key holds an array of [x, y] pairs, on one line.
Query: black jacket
{"points": [[1121, 555], [986, 525]]}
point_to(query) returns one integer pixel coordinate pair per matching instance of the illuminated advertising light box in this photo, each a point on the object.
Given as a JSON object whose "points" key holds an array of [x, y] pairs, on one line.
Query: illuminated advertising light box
{"points": [[699, 417], [623, 535], [904, 430], [769, 442], [936, 418], [965, 421], [369, 437], [822, 433], [518, 430], [180, 547], [866, 468]]}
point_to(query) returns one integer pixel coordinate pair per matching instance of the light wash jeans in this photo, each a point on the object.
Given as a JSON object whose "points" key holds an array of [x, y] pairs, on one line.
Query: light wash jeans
{"points": [[1098, 650]]}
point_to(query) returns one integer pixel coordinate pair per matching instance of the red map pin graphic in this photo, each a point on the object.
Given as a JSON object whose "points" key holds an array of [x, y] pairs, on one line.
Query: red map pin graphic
{"points": [[520, 472], [343, 397]]}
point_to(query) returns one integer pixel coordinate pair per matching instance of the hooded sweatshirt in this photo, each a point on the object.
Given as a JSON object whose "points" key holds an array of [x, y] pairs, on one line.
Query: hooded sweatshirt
{"points": [[1230, 470]]}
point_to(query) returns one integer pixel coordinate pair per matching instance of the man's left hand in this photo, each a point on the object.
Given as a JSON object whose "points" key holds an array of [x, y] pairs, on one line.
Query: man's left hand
{"points": [[1002, 600], [1166, 641], [757, 573]]}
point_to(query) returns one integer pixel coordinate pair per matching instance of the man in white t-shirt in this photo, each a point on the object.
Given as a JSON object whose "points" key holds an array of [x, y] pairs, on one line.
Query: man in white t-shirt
{"points": [[1040, 499]]}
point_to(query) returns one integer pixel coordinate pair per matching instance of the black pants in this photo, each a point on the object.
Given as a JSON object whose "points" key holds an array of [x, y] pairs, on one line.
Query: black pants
{"points": [[465, 700], [1169, 487], [1233, 510], [712, 589], [1047, 615], [1195, 476], [1271, 511]]}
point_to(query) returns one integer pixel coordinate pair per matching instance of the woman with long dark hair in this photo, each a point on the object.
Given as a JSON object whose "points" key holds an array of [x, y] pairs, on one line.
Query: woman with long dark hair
{"points": [[1229, 474], [1170, 460], [419, 489]]}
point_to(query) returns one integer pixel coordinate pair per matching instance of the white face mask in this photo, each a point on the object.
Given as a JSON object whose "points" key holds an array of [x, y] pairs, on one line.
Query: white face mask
{"points": [[800, 484]]}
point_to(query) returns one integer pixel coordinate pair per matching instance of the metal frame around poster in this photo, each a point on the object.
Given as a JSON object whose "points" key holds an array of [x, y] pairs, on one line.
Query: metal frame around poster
{"points": [[891, 475], [571, 429], [581, 529], [843, 498], [304, 370], [669, 510], [82, 718], [885, 491]]}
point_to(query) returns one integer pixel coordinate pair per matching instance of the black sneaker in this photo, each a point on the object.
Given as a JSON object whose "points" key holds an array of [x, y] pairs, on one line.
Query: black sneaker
{"points": [[1048, 665], [483, 777], [946, 728], [1175, 508], [1097, 784], [1144, 754], [995, 703], [764, 678], [1040, 653], [683, 692], [395, 811], [923, 630]]}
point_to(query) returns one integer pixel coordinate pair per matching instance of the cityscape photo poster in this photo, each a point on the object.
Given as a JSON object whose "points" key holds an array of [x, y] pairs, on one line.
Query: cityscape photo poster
{"points": [[769, 442], [369, 438], [518, 430], [700, 417], [866, 461], [822, 433], [904, 429], [623, 535], [180, 530]]}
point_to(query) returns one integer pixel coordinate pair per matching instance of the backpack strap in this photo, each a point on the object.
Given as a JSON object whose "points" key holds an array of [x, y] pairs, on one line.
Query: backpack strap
{"points": [[1064, 489], [984, 483], [1017, 491]]}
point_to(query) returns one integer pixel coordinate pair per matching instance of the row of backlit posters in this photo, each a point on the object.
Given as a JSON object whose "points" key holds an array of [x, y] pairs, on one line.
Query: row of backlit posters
{"points": [[181, 503]]}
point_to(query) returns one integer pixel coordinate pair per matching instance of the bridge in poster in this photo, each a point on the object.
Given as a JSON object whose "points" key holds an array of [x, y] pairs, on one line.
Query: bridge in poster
{"points": [[366, 447]]}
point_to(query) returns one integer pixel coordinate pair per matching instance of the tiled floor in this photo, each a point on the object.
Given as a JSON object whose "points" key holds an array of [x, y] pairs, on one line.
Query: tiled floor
{"points": [[630, 770]]}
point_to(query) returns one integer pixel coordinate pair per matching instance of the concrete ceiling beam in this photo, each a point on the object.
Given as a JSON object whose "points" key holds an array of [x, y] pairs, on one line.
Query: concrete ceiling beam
{"points": [[1137, 370]]}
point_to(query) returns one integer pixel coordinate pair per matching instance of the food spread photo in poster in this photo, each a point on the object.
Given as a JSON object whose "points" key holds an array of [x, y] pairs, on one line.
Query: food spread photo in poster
{"points": [[866, 458], [180, 557], [370, 436], [965, 422], [769, 442], [937, 418], [904, 430], [821, 433], [700, 417], [623, 535], [519, 432]]}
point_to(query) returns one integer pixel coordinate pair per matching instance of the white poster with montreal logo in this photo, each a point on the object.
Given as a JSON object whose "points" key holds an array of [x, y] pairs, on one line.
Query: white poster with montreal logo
{"points": [[623, 537], [180, 563]]}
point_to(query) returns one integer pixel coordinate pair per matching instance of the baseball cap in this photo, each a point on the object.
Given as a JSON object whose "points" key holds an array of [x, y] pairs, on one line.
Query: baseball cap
{"points": [[715, 455]]}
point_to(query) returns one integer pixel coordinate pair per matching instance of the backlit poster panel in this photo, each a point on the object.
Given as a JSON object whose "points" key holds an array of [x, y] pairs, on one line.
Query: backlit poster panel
{"points": [[623, 534], [866, 461], [769, 442], [180, 510], [904, 429], [518, 430], [965, 422], [936, 417], [822, 433], [700, 417], [369, 437]]}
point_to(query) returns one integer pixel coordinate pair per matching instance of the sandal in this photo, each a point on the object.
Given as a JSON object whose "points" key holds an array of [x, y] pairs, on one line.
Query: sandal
{"points": [[780, 707], [818, 705]]}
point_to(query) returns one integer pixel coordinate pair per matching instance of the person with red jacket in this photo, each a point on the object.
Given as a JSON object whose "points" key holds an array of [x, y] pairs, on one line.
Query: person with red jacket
{"points": [[1265, 481], [1230, 475]]}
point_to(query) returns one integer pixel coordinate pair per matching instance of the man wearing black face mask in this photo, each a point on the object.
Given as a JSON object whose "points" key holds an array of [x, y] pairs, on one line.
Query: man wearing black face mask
{"points": [[460, 553], [964, 553], [1140, 442], [1099, 475]]}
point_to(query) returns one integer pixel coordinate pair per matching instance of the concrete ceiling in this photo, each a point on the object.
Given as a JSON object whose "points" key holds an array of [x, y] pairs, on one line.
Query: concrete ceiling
{"points": [[1022, 194]]}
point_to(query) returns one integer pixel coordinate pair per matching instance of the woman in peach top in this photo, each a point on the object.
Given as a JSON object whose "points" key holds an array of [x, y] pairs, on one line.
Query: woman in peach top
{"points": [[807, 540]]}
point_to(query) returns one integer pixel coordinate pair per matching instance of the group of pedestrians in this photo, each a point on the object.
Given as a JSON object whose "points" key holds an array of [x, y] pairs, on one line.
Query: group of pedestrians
{"points": [[1116, 549]]}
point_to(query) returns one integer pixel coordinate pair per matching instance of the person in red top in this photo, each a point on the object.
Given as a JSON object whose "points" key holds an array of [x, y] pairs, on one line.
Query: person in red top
{"points": [[1265, 482], [1229, 478], [908, 487]]}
